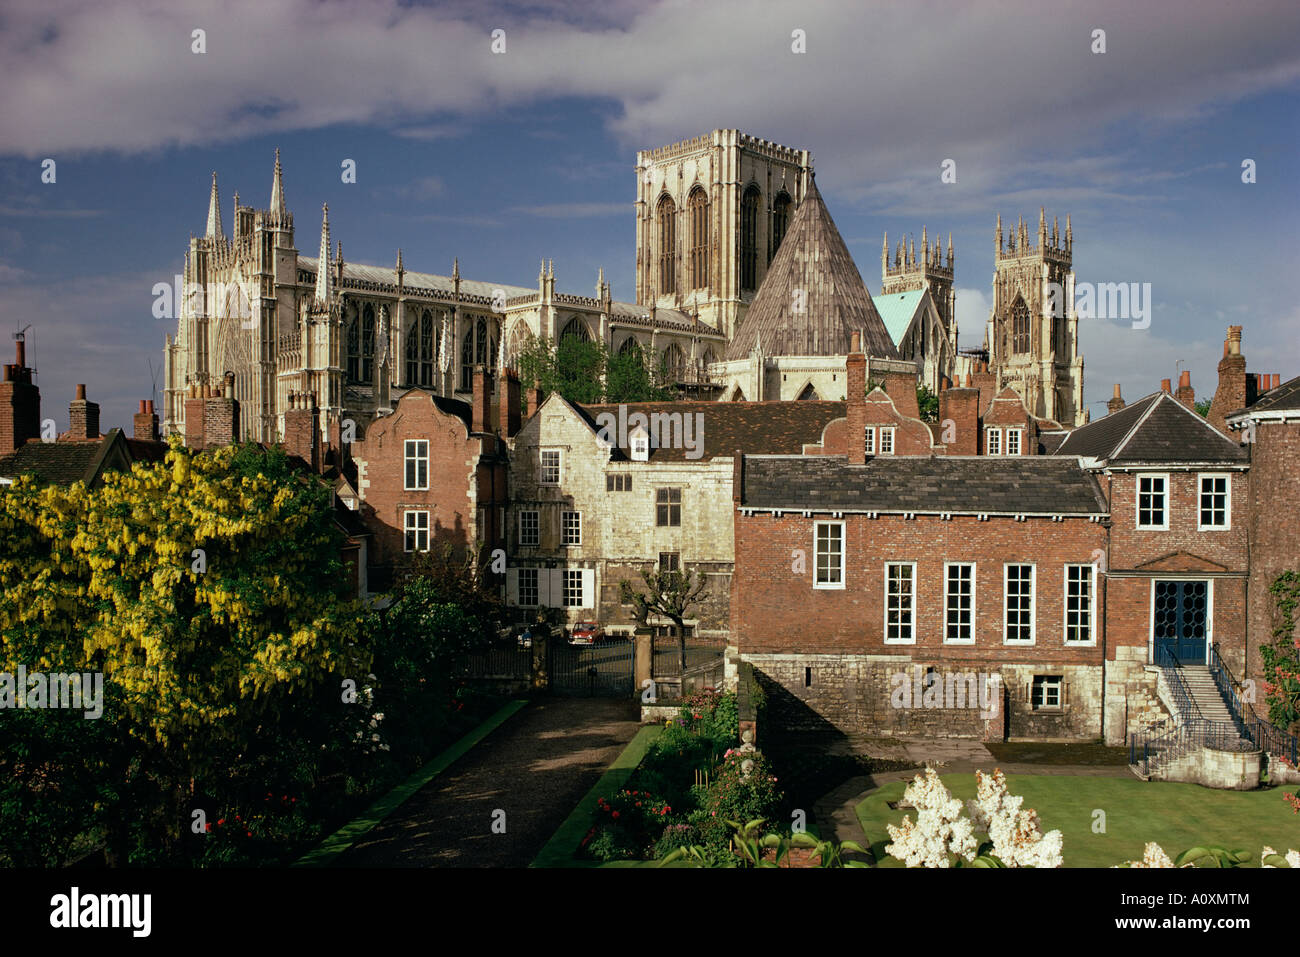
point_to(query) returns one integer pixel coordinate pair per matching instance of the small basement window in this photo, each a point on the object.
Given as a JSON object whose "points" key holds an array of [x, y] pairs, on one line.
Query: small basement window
{"points": [[1046, 692]]}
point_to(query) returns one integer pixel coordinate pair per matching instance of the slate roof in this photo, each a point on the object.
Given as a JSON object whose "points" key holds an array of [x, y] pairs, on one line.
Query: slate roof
{"points": [[896, 311], [771, 428], [974, 484], [1154, 429], [812, 259], [1285, 398]]}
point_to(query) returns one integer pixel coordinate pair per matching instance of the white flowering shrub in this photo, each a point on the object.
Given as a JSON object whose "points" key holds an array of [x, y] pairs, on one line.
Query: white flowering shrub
{"points": [[1153, 855], [939, 832], [942, 836], [1017, 839], [1271, 858]]}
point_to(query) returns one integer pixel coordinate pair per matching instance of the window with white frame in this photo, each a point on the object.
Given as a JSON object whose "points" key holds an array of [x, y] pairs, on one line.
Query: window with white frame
{"points": [[1013, 441], [1215, 510], [416, 526], [528, 527], [1046, 692], [900, 602], [871, 440], [639, 445], [1080, 582], [570, 528], [573, 588], [417, 464], [550, 474], [886, 441], [828, 555], [1018, 594], [959, 602], [528, 586], [1153, 501], [993, 441]]}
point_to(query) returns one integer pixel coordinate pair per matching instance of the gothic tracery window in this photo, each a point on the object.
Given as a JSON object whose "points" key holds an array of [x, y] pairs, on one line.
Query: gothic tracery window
{"points": [[361, 347], [576, 327], [421, 351], [698, 205], [478, 347], [1019, 326], [667, 216], [749, 206], [780, 222]]}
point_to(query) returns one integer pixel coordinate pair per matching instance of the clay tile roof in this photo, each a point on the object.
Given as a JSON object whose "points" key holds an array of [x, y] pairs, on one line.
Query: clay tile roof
{"points": [[966, 484], [813, 260], [60, 463], [770, 428]]}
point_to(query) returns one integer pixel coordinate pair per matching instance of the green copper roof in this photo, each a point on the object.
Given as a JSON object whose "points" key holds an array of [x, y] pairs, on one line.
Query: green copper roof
{"points": [[896, 310]]}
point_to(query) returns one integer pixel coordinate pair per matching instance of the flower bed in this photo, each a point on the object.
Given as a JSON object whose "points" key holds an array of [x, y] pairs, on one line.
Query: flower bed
{"points": [[691, 780]]}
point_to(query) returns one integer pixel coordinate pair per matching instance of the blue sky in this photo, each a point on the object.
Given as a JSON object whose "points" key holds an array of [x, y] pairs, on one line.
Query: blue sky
{"points": [[502, 159]]}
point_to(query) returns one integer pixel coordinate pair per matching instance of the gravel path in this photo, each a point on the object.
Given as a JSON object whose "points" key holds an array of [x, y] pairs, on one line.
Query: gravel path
{"points": [[535, 768]]}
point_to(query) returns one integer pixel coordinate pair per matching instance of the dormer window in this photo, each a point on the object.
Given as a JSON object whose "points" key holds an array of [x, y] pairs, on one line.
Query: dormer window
{"points": [[639, 445]]}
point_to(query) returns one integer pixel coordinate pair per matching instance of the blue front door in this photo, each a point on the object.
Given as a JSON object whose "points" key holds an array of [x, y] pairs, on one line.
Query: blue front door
{"points": [[1180, 621]]}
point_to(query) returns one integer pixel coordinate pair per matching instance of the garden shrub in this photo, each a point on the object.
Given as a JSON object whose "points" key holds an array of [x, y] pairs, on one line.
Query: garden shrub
{"points": [[732, 796]]}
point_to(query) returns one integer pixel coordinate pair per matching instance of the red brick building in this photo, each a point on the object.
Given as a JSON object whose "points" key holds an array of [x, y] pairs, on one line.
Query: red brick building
{"points": [[431, 474]]}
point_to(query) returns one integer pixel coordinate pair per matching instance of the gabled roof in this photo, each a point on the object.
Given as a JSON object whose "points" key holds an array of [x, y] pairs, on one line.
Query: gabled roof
{"points": [[923, 484], [897, 309], [63, 463], [1154, 429], [812, 299], [772, 428], [1285, 398]]}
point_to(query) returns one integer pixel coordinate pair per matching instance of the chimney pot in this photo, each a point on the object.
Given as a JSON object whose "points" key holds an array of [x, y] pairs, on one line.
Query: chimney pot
{"points": [[1185, 379], [141, 407], [81, 391], [1116, 393], [1164, 385], [20, 353]]}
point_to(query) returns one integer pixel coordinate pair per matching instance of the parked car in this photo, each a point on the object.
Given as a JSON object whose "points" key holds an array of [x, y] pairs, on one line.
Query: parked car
{"points": [[587, 633]]}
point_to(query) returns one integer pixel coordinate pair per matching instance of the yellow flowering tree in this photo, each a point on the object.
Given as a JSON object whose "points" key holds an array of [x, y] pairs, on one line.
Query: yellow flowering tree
{"points": [[206, 588]]}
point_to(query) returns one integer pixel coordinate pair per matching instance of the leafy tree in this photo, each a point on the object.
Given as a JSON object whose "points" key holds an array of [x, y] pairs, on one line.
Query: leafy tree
{"points": [[628, 379], [928, 403], [670, 594], [207, 589], [1203, 408]]}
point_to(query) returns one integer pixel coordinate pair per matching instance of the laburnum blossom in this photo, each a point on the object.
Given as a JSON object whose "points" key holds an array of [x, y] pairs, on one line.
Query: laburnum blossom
{"points": [[939, 830], [1018, 841], [1292, 857]]}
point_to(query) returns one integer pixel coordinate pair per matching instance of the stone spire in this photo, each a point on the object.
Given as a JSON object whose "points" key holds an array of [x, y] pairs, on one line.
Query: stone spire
{"points": [[214, 213], [277, 189], [322, 264]]}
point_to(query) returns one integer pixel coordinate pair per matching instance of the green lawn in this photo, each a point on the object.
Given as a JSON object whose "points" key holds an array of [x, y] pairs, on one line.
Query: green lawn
{"points": [[1175, 816]]}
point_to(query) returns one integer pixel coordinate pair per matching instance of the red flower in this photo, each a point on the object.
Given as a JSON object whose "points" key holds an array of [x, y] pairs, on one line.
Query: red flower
{"points": [[208, 826], [249, 833], [615, 814], [221, 821]]}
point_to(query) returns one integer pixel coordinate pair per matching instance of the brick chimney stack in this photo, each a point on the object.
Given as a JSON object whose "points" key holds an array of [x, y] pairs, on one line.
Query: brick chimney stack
{"points": [[856, 383], [144, 424], [1231, 394], [959, 411], [20, 403], [508, 404], [301, 434], [535, 397], [1116, 402], [83, 417], [480, 400], [1186, 394], [987, 384]]}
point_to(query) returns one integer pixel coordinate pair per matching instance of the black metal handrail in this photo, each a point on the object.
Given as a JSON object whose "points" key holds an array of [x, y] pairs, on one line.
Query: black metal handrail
{"points": [[1172, 668], [1265, 736], [1149, 751]]}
